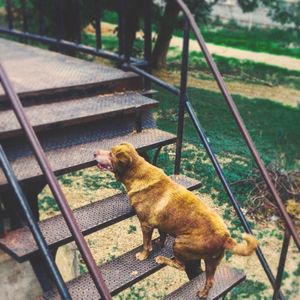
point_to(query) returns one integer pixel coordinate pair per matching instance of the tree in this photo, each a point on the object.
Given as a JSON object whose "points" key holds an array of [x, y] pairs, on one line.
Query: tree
{"points": [[168, 23], [285, 12]]}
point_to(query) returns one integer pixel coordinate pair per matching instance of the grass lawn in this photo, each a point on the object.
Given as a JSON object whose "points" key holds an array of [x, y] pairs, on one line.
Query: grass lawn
{"points": [[274, 41], [273, 127]]}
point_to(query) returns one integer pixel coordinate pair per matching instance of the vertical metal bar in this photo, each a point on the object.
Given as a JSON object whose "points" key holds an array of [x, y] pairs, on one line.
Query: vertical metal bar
{"points": [[227, 188], [282, 260], [126, 33], [121, 34], [24, 16], [78, 21], [98, 24], [37, 234], [55, 187], [148, 40], [58, 17], [41, 17], [240, 122], [183, 96], [9, 15]]}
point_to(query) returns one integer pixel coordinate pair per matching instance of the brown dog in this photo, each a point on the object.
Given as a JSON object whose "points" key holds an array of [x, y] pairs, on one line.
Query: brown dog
{"points": [[161, 203]]}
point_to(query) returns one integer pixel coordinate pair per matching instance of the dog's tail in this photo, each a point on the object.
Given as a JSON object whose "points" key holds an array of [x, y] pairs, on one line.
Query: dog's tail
{"points": [[246, 248]]}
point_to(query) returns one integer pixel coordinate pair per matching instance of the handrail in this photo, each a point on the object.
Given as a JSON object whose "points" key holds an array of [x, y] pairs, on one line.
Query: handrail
{"points": [[214, 160], [54, 186], [35, 229], [289, 223]]}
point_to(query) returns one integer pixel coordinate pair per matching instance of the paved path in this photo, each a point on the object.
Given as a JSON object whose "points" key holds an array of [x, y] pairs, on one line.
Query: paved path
{"points": [[282, 61]]}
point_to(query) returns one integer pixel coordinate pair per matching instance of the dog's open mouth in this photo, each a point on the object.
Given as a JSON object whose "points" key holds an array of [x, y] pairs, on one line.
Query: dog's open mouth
{"points": [[103, 166], [104, 160]]}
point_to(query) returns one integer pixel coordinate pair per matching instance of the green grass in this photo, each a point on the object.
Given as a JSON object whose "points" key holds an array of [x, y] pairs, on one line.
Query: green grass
{"points": [[274, 41], [273, 127], [242, 70]]}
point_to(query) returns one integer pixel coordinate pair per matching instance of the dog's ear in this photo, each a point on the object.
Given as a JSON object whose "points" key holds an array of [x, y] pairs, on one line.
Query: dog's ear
{"points": [[123, 160]]}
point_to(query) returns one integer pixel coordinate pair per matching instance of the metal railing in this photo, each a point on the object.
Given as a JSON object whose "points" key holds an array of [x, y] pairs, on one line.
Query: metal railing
{"points": [[143, 68], [34, 227], [54, 186]]}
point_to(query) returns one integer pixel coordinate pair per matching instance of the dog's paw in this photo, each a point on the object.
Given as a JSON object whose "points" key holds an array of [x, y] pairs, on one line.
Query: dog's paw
{"points": [[142, 255], [203, 294], [159, 242], [160, 260]]}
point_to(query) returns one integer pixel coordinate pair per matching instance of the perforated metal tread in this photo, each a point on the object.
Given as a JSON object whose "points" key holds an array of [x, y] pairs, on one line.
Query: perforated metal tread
{"points": [[81, 155], [126, 270], [36, 71], [21, 245], [64, 113], [225, 279], [119, 274]]}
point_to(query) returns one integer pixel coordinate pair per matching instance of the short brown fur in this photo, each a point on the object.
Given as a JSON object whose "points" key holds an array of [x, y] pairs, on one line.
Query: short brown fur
{"points": [[161, 203]]}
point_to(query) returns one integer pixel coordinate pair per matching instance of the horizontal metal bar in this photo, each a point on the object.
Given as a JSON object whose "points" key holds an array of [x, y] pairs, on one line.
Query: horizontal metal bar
{"points": [[218, 77], [36, 232], [54, 186], [154, 79]]}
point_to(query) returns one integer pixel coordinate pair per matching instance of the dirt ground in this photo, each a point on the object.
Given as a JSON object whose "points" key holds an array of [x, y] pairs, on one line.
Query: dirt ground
{"points": [[282, 94]]}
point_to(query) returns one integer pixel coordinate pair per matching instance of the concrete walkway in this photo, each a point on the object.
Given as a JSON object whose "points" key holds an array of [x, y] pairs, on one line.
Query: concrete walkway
{"points": [[282, 61]]}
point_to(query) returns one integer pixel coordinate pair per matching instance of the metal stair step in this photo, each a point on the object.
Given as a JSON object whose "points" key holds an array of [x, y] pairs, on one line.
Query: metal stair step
{"points": [[39, 72], [126, 270], [21, 245], [78, 156], [56, 115], [226, 278]]}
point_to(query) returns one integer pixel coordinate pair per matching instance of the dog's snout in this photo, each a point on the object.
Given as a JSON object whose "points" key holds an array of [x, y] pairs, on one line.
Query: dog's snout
{"points": [[95, 154]]}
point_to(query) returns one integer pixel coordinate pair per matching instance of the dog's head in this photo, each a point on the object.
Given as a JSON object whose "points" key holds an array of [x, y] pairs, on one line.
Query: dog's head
{"points": [[119, 160]]}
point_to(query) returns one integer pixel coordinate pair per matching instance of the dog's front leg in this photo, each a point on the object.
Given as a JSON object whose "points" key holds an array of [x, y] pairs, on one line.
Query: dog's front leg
{"points": [[147, 247]]}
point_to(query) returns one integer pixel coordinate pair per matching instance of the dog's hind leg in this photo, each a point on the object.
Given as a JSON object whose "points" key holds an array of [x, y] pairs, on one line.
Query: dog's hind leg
{"points": [[162, 239], [210, 269]]}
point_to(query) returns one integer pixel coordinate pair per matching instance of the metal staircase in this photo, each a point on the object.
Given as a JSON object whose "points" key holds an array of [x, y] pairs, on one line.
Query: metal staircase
{"points": [[75, 107]]}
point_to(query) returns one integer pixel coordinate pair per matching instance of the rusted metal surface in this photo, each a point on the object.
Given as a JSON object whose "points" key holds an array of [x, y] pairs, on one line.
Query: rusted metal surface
{"points": [[225, 279], [119, 274], [126, 270], [36, 71], [72, 156], [82, 110], [20, 244], [54, 186], [34, 228]]}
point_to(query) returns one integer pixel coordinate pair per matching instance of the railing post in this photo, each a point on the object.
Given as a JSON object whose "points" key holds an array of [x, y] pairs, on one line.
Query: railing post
{"points": [[78, 22], [37, 234], [183, 96], [9, 15], [41, 17], [237, 117], [98, 11], [282, 260], [147, 40]]}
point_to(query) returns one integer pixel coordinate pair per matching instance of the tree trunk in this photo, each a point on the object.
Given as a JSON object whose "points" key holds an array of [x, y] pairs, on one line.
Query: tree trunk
{"points": [[160, 51]]}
